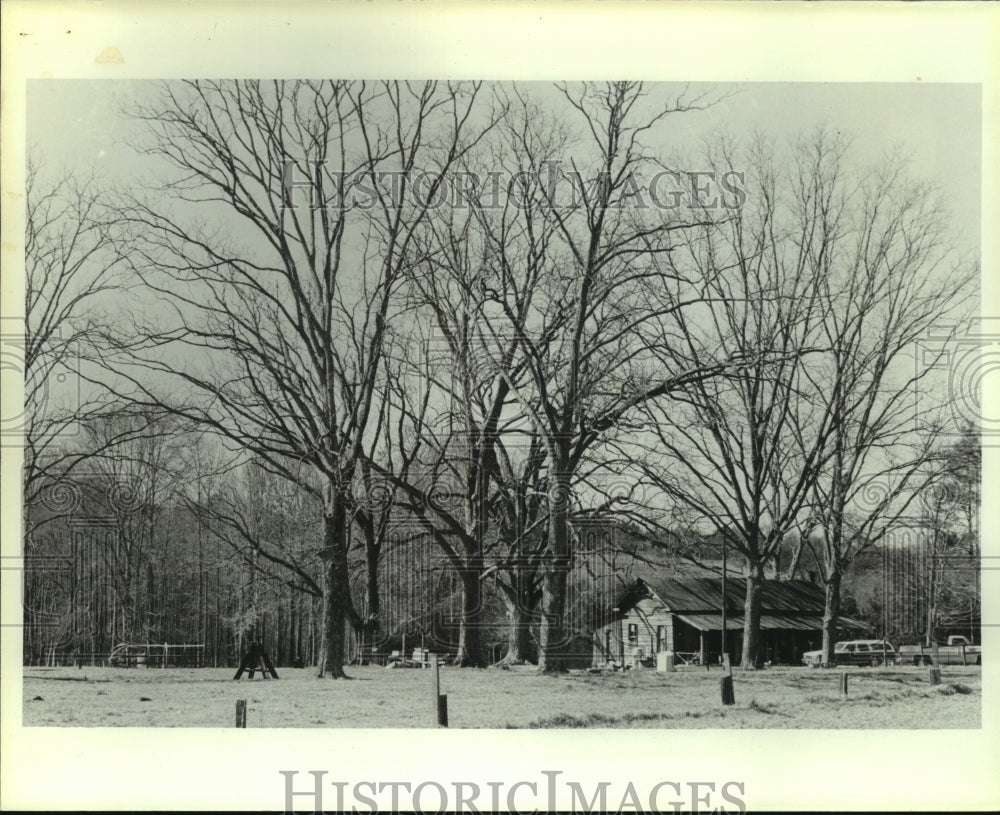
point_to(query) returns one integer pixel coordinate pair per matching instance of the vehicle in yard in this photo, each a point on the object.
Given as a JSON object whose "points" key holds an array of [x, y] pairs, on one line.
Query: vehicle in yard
{"points": [[855, 652], [958, 651]]}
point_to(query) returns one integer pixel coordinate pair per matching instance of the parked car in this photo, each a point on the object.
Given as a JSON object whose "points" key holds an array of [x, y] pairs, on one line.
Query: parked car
{"points": [[855, 652], [958, 651]]}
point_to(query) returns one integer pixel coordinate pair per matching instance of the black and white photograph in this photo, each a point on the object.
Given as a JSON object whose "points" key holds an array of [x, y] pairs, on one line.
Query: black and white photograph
{"points": [[399, 408]]}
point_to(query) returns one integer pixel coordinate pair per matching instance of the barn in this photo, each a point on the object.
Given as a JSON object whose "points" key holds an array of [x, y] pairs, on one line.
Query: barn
{"points": [[685, 617]]}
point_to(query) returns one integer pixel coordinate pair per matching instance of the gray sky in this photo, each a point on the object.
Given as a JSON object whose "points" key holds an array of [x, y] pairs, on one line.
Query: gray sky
{"points": [[938, 126]]}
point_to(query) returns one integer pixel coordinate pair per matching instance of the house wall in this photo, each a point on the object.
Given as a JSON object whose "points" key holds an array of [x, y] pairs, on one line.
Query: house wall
{"points": [[780, 647], [648, 625]]}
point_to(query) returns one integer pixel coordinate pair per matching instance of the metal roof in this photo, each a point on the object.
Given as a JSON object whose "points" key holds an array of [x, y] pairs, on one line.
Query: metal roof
{"points": [[785, 604], [704, 595], [713, 622], [794, 623]]}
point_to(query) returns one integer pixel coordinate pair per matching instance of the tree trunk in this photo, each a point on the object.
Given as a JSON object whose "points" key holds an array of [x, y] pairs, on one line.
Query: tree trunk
{"points": [[553, 629], [470, 625], [336, 586], [751, 658], [519, 614], [796, 557], [831, 611], [279, 654]]}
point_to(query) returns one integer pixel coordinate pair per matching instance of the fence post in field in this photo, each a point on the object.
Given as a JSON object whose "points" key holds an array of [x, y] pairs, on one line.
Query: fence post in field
{"points": [[726, 683], [440, 710], [726, 686], [843, 684], [935, 676], [241, 712]]}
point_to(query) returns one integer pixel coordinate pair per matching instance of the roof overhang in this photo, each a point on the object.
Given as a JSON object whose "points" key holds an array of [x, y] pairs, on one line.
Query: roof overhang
{"points": [[713, 622]]}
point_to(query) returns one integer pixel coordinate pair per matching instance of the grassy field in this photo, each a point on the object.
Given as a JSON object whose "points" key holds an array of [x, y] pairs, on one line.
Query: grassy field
{"points": [[894, 698]]}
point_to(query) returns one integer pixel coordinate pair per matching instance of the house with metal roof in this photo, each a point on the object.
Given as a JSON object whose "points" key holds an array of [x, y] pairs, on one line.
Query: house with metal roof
{"points": [[685, 617]]}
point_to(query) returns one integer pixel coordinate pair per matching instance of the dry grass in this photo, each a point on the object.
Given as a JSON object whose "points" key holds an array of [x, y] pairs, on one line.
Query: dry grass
{"points": [[879, 698]]}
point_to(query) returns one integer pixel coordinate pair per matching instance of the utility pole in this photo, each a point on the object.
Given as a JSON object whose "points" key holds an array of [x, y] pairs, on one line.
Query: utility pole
{"points": [[724, 651]]}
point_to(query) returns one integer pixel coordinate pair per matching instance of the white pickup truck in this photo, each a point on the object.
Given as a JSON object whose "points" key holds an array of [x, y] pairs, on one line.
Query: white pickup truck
{"points": [[958, 651]]}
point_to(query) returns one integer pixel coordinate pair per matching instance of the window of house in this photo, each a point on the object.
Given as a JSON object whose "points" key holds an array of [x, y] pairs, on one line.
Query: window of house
{"points": [[661, 638], [633, 633]]}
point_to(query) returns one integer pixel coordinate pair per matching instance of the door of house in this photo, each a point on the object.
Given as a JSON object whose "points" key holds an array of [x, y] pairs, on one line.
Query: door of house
{"points": [[661, 638]]}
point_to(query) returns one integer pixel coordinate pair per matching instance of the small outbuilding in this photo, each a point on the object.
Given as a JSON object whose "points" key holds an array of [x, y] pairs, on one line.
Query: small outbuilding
{"points": [[685, 617]]}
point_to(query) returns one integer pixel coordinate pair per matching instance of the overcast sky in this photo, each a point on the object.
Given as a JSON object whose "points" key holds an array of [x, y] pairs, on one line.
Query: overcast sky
{"points": [[79, 123]]}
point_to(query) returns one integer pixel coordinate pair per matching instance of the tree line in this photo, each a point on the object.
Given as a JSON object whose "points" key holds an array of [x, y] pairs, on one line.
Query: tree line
{"points": [[301, 386]]}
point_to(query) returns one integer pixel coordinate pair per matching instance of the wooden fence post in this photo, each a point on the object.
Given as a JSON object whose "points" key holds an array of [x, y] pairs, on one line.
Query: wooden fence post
{"points": [[726, 687], [440, 701], [435, 682], [241, 712], [843, 684], [726, 683], [935, 676]]}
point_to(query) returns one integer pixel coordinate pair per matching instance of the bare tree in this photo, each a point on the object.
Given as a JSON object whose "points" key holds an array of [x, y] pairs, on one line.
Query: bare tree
{"points": [[72, 270], [821, 283], [520, 511], [467, 374], [947, 585], [888, 277], [438, 458], [722, 454], [594, 248], [280, 249]]}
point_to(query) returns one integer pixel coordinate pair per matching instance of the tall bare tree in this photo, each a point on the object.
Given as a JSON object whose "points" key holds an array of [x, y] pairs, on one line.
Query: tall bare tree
{"points": [[722, 452], [593, 247], [279, 239], [821, 283], [889, 278]]}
